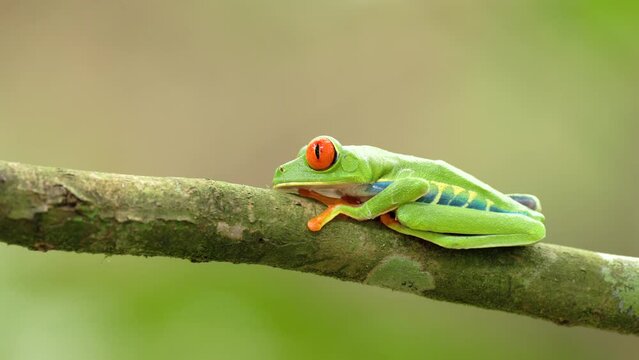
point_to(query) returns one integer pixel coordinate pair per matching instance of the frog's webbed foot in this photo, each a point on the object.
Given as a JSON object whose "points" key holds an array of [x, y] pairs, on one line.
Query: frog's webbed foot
{"points": [[316, 223], [389, 220]]}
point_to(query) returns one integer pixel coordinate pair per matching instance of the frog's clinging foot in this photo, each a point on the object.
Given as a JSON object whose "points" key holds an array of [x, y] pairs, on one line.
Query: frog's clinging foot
{"points": [[316, 223], [389, 220]]}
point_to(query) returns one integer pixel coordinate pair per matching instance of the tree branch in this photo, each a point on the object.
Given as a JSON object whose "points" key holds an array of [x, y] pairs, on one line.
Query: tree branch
{"points": [[201, 220]]}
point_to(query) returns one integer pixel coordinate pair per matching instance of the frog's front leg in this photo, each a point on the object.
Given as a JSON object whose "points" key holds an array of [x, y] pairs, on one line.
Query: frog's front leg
{"points": [[401, 191]]}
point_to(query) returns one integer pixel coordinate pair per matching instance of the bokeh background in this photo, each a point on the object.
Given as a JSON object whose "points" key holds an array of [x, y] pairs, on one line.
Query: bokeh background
{"points": [[530, 96]]}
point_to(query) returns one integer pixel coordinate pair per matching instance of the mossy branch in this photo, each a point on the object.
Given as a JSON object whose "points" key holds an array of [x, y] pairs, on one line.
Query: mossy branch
{"points": [[201, 220]]}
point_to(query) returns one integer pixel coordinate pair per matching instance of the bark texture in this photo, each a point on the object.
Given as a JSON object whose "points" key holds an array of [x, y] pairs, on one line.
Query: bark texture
{"points": [[202, 220]]}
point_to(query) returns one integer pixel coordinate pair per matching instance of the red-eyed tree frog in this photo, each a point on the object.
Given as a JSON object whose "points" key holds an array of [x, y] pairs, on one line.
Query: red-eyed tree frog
{"points": [[428, 199]]}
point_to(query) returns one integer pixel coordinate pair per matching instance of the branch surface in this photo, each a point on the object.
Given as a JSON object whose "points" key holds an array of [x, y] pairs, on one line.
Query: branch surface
{"points": [[45, 208]]}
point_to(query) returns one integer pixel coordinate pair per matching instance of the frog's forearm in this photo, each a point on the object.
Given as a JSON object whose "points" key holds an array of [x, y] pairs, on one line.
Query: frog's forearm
{"points": [[46, 208]]}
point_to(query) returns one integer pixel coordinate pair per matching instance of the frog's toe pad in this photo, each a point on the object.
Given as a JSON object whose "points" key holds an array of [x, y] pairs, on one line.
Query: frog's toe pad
{"points": [[314, 224]]}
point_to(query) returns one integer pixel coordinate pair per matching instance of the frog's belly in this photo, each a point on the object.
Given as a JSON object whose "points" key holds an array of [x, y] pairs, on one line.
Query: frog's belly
{"points": [[361, 192]]}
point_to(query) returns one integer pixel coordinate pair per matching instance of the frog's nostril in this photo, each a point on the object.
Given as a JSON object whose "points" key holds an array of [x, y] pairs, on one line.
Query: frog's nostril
{"points": [[281, 169]]}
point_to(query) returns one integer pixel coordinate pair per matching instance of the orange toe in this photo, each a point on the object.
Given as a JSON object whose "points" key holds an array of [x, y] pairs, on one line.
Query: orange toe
{"points": [[388, 220], [314, 224]]}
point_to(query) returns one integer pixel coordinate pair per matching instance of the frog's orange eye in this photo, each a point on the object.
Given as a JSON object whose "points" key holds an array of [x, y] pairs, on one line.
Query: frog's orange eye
{"points": [[320, 154]]}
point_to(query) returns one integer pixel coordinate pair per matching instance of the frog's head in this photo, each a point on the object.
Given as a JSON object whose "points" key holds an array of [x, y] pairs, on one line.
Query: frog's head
{"points": [[322, 164]]}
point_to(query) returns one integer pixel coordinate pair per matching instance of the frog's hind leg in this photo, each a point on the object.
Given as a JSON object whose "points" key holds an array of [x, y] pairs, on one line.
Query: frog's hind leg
{"points": [[436, 238], [526, 233]]}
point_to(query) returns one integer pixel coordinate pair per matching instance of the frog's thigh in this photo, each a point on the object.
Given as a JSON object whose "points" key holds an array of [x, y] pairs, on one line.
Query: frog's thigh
{"points": [[451, 219], [439, 224]]}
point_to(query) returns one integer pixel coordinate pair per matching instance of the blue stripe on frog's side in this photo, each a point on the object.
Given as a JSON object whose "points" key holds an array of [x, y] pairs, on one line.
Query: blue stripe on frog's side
{"points": [[460, 199], [430, 195], [375, 188], [477, 204], [447, 197]]}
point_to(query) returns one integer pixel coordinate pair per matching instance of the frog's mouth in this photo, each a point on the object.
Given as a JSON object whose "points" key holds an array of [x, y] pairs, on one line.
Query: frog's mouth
{"points": [[336, 191]]}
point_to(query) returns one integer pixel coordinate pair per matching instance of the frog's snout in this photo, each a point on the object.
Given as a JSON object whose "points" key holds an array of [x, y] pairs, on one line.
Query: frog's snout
{"points": [[278, 178]]}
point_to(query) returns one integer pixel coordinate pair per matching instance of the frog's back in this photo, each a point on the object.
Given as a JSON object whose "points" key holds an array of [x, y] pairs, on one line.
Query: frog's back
{"points": [[451, 186]]}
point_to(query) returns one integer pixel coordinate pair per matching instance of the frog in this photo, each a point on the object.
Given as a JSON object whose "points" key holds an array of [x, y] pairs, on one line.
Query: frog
{"points": [[426, 199]]}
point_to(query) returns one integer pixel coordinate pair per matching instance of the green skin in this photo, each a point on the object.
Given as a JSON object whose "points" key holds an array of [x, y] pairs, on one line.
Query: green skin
{"points": [[503, 221]]}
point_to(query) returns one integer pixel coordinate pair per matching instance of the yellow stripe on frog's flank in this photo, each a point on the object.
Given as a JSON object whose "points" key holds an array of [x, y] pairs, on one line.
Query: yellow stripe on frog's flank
{"points": [[471, 196], [440, 190], [457, 190]]}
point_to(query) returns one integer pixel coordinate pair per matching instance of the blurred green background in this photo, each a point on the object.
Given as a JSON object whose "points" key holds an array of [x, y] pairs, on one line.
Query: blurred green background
{"points": [[530, 96]]}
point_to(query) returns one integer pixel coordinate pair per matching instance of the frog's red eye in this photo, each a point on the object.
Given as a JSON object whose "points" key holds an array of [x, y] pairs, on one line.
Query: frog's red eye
{"points": [[320, 154]]}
